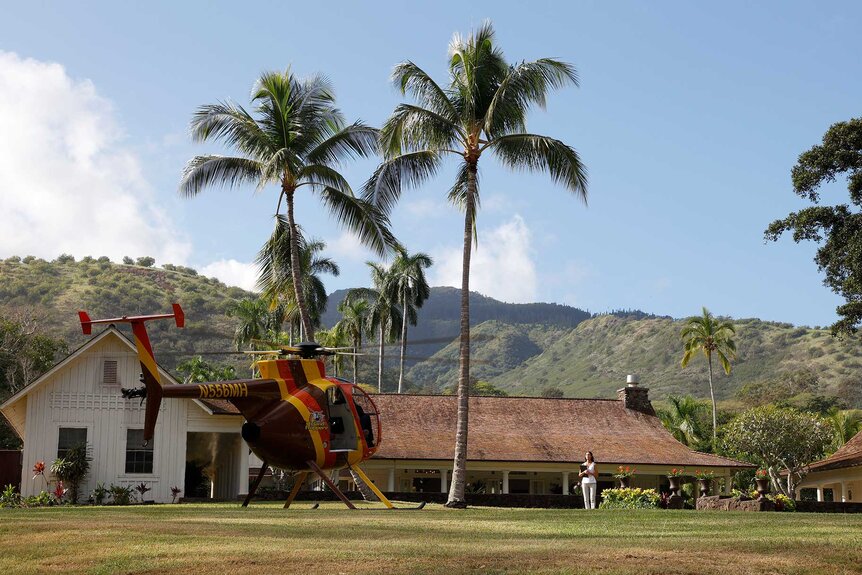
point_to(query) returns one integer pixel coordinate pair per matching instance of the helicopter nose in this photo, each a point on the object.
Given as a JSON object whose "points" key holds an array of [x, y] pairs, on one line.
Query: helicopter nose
{"points": [[250, 431]]}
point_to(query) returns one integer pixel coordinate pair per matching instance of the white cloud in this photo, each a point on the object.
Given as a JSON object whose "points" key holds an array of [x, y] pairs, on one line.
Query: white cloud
{"points": [[68, 184], [501, 266], [233, 273], [347, 247]]}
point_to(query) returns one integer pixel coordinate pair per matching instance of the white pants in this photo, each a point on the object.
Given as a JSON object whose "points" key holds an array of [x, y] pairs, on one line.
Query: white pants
{"points": [[589, 490]]}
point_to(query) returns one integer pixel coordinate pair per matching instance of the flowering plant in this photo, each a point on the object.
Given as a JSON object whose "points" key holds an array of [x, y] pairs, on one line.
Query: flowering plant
{"points": [[59, 491], [175, 491], [700, 474], [38, 469], [676, 472], [761, 474], [624, 471]]}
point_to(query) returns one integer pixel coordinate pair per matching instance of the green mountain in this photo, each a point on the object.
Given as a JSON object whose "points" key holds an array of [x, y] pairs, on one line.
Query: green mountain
{"points": [[521, 348], [593, 359], [56, 290]]}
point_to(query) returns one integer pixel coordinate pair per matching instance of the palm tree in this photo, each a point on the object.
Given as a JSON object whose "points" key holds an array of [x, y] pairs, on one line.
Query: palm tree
{"points": [[845, 424], [254, 317], [334, 338], [408, 277], [682, 419], [354, 325], [275, 275], [711, 336], [385, 317], [295, 138], [482, 108]]}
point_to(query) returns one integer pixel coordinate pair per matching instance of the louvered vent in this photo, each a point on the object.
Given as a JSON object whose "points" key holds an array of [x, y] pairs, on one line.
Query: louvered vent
{"points": [[109, 374]]}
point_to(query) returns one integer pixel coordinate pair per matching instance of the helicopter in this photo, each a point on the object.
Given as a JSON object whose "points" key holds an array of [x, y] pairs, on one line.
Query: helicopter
{"points": [[296, 417]]}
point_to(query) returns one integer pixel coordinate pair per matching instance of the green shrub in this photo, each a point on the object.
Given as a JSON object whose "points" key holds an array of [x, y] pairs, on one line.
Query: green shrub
{"points": [[122, 495], [9, 497], [629, 498]]}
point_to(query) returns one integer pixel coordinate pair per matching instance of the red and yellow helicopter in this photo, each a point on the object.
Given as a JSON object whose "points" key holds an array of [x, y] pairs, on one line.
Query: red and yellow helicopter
{"points": [[297, 418]]}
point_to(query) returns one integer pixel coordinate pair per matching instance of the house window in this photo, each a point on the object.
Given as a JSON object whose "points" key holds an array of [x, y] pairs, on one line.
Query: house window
{"points": [[109, 372], [139, 459], [68, 438]]}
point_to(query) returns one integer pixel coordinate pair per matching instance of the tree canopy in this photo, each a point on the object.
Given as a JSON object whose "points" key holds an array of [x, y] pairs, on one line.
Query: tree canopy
{"points": [[838, 228]]}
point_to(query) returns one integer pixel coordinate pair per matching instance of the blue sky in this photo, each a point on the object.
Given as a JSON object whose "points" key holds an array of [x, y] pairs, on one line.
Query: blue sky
{"points": [[689, 118]]}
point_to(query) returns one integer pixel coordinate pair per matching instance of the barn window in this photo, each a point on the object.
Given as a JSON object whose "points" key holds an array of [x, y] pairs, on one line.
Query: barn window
{"points": [[109, 372], [139, 459], [68, 438]]}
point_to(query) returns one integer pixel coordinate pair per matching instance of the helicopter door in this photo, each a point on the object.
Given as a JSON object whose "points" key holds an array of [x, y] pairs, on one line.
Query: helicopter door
{"points": [[342, 428]]}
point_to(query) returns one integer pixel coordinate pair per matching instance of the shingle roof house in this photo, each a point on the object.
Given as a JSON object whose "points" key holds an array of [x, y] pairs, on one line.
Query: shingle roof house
{"points": [[841, 473], [516, 444]]}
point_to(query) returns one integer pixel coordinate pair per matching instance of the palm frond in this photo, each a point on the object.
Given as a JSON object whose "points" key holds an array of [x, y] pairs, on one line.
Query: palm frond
{"points": [[384, 187], [543, 154], [354, 141], [412, 128], [526, 84], [410, 78], [210, 170], [361, 217], [319, 175]]}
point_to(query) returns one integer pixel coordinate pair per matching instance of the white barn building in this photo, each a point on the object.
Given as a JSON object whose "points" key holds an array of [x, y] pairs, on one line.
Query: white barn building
{"points": [[79, 400]]}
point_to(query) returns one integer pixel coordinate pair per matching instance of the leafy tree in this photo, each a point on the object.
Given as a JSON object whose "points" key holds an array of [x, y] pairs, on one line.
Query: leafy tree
{"points": [[196, 370], [146, 261], [684, 419], [65, 259], [72, 469], [552, 391], [411, 290], [779, 440], [482, 109], [710, 336], [128, 261], [479, 387], [355, 318], [386, 318], [334, 338], [295, 138], [838, 229], [275, 275]]}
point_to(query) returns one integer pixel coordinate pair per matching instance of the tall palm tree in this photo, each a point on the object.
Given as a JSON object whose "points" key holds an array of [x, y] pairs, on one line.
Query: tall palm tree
{"points": [[275, 273], [334, 338], [710, 336], [253, 317], [682, 419], [295, 138], [411, 287], [354, 325], [385, 317], [481, 109]]}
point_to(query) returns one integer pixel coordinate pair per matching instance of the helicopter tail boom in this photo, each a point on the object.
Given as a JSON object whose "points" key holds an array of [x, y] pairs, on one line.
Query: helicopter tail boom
{"points": [[149, 369]]}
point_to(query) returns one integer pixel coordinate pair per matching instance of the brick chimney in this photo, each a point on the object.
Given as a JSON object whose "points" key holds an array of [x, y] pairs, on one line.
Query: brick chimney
{"points": [[635, 397]]}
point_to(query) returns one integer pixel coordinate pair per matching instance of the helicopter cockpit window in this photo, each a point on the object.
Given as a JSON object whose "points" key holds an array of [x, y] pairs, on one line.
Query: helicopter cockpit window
{"points": [[369, 422], [341, 427]]}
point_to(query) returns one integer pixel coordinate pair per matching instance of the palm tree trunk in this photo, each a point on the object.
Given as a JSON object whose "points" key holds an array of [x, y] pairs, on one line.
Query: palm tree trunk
{"points": [[295, 271], [403, 340], [355, 351], [380, 362], [712, 397], [459, 465]]}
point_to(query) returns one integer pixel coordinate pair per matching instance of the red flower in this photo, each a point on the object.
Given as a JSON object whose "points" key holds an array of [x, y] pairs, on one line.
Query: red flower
{"points": [[38, 469], [59, 491]]}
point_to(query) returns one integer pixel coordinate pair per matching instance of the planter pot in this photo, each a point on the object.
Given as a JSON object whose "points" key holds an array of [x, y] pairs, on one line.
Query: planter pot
{"points": [[625, 482], [705, 486], [762, 488], [675, 484]]}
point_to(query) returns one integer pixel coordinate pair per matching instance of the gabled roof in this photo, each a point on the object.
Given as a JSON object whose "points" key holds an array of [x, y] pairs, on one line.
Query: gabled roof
{"points": [[849, 455], [109, 331], [531, 429]]}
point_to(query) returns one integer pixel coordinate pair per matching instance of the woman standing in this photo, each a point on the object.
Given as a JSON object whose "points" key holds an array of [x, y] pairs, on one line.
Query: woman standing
{"points": [[588, 481]]}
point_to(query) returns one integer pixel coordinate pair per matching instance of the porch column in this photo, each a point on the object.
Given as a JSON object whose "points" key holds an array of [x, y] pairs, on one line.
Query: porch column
{"points": [[242, 479], [505, 482], [843, 491], [444, 480], [391, 484], [819, 493], [728, 484], [565, 482]]}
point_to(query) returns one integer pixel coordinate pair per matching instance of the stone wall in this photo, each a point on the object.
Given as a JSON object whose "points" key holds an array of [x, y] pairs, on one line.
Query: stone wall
{"points": [[727, 503]]}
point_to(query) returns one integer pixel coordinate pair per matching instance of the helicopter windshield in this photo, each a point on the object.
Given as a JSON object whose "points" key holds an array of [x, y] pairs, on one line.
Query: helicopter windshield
{"points": [[342, 429], [369, 420]]}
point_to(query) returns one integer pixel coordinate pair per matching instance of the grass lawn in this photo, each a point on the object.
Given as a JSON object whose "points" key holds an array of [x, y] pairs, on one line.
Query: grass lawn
{"points": [[223, 538]]}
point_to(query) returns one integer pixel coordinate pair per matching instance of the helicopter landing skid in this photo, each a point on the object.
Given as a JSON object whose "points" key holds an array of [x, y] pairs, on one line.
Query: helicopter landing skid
{"points": [[313, 466]]}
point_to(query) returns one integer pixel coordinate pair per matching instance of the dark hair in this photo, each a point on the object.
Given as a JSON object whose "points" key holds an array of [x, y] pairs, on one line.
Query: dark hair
{"points": [[592, 459]]}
